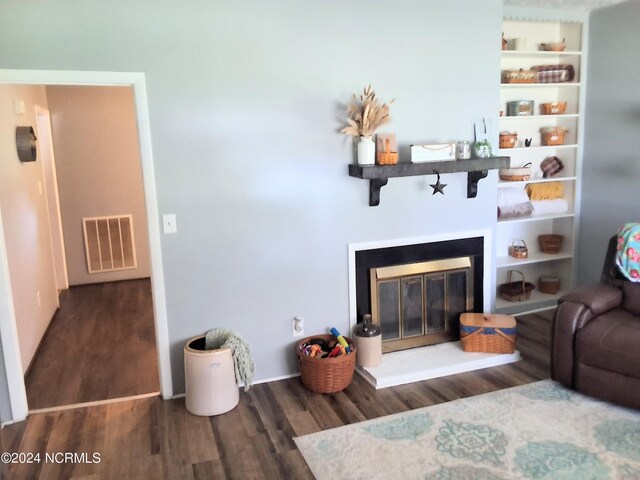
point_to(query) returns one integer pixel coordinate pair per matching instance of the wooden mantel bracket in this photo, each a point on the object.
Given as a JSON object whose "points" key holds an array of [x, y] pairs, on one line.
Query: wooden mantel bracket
{"points": [[379, 175], [472, 182], [375, 184]]}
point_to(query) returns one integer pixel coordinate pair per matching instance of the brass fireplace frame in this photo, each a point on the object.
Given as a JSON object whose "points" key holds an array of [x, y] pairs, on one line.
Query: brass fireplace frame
{"points": [[420, 269]]}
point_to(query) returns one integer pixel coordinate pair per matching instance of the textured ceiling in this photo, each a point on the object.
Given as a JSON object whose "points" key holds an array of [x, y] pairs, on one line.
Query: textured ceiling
{"points": [[584, 5]]}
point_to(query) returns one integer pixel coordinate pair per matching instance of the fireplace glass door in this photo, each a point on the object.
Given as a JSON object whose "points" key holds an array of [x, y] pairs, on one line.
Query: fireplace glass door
{"points": [[420, 303]]}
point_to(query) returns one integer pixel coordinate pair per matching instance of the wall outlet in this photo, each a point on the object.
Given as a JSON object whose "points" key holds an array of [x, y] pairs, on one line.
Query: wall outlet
{"points": [[298, 327]]}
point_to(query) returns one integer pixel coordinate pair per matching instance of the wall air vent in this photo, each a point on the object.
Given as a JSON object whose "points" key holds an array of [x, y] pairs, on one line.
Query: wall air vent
{"points": [[109, 243]]}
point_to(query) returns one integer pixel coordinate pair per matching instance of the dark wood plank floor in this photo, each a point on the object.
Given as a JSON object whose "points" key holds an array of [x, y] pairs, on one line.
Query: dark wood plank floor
{"points": [[152, 438], [101, 345]]}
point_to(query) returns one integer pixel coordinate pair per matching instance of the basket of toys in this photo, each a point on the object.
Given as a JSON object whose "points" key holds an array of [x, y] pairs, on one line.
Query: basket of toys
{"points": [[326, 363]]}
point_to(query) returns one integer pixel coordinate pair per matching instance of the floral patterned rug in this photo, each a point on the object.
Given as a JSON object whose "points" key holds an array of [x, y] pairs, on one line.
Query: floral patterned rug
{"points": [[538, 431]]}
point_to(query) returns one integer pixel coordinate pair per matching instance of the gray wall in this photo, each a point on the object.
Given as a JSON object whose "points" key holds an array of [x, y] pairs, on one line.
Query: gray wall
{"points": [[245, 102], [611, 169]]}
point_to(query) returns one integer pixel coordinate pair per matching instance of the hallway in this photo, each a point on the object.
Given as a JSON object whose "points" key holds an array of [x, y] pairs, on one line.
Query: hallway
{"points": [[101, 345]]}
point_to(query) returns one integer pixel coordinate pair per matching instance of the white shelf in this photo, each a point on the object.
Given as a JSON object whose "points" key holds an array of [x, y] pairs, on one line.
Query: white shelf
{"points": [[539, 117], [534, 257], [540, 85], [537, 218], [529, 35], [505, 151], [507, 184], [536, 301], [539, 53]]}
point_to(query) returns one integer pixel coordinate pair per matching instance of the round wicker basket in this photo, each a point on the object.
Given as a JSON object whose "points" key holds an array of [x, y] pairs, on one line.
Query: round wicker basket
{"points": [[326, 375]]}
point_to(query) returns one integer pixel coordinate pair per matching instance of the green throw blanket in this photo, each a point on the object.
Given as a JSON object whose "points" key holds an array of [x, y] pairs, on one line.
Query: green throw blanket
{"points": [[242, 359]]}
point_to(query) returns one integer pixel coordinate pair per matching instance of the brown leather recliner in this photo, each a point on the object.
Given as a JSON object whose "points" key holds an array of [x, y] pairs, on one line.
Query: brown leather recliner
{"points": [[595, 346]]}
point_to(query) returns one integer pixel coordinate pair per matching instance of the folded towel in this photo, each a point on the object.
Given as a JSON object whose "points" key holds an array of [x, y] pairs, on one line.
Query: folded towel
{"points": [[545, 191], [628, 252], [508, 197], [549, 207], [513, 211]]}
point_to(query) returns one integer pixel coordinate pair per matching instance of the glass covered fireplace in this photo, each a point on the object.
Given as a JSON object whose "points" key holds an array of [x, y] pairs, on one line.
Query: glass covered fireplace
{"points": [[420, 303], [416, 293]]}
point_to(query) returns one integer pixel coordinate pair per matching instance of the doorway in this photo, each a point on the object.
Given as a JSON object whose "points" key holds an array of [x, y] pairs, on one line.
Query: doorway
{"points": [[8, 331], [104, 323]]}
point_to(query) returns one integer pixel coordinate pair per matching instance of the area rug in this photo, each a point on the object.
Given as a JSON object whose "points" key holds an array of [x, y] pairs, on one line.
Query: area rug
{"points": [[538, 431]]}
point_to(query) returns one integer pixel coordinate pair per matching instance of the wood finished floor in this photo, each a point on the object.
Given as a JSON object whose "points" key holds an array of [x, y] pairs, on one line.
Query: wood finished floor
{"points": [[101, 345], [158, 439]]}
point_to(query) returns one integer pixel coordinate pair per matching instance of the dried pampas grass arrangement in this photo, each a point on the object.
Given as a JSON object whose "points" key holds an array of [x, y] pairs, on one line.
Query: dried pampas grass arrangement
{"points": [[365, 114]]}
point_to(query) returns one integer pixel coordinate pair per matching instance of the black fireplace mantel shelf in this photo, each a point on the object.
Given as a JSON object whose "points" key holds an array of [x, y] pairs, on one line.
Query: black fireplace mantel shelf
{"points": [[379, 175]]}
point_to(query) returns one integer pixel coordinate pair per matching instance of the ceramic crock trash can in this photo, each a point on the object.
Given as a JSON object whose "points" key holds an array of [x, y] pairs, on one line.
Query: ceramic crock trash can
{"points": [[368, 338], [210, 379]]}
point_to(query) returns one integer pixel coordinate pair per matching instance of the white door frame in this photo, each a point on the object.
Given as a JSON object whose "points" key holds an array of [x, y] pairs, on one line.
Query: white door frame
{"points": [[8, 329], [45, 139]]}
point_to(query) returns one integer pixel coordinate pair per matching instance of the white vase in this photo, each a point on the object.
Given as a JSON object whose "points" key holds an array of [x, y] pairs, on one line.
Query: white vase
{"points": [[366, 151]]}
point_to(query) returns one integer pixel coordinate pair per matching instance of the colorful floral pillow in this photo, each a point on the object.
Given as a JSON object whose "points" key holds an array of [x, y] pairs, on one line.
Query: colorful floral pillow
{"points": [[628, 252]]}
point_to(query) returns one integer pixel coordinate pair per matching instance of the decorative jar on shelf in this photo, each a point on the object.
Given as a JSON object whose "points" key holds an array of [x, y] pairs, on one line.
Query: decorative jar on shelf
{"points": [[366, 151], [483, 149]]}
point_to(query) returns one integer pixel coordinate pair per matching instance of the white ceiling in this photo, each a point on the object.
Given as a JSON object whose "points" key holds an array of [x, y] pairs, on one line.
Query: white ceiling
{"points": [[584, 5]]}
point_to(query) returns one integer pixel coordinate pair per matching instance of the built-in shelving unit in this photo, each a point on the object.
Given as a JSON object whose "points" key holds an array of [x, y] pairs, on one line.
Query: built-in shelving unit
{"points": [[379, 175], [527, 228]]}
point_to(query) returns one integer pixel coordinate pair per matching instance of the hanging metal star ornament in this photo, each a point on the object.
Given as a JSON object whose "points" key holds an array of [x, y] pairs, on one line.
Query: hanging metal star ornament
{"points": [[438, 187]]}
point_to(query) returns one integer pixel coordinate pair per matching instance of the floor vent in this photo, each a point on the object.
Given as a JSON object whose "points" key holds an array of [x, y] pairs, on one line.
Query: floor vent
{"points": [[109, 243]]}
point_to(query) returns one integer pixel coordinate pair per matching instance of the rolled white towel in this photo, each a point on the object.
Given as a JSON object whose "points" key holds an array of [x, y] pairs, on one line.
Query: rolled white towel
{"points": [[549, 207], [508, 197], [513, 211]]}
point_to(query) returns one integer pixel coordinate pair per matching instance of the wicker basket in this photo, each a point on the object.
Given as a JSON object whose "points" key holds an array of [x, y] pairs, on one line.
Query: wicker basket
{"points": [[549, 284], [550, 243], [519, 76], [508, 140], [488, 333], [553, 47], [552, 135], [326, 375], [387, 157], [518, 291], [518, 249], [516, 174], [553, 108]]}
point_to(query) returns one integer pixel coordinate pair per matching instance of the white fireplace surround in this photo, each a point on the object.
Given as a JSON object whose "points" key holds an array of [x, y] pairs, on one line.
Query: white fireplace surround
{"points": [[488, 261], [433, 361]]}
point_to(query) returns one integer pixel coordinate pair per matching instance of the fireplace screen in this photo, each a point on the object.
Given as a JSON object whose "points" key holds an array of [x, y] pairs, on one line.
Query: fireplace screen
{"points": [[420, 303]]}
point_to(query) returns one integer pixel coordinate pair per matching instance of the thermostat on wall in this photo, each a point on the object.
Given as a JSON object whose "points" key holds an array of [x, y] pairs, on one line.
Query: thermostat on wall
{"points": [[26, 144]]}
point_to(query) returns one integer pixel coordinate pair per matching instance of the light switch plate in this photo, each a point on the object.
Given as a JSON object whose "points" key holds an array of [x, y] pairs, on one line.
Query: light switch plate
{"points": [[169, 223]]}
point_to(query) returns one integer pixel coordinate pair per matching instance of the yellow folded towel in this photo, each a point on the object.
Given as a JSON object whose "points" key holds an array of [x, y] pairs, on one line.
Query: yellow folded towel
{"points": [[545, 191]]}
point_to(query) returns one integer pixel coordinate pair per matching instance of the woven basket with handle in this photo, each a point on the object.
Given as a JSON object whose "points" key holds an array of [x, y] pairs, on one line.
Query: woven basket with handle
{"points": [[387, 157], [518, 249], [326, 375], [487, 333], [516, 291]]}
